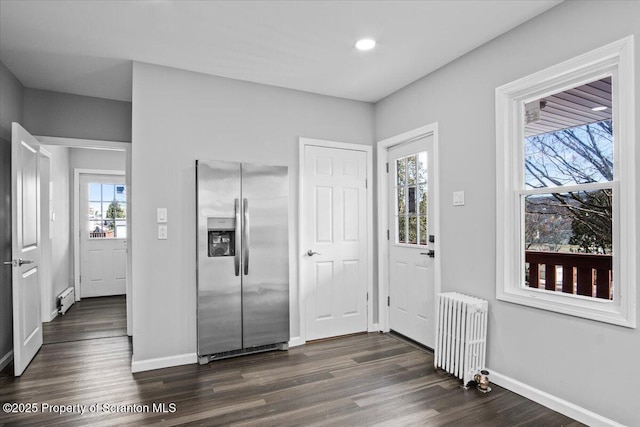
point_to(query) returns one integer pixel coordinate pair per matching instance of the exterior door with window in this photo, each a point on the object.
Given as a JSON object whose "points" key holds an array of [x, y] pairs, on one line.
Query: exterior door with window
{"points": [[103, 244], [411, 264]]}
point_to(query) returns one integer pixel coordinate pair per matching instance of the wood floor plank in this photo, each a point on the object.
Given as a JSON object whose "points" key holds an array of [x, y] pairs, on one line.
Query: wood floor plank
{"points": [[361, 380]]}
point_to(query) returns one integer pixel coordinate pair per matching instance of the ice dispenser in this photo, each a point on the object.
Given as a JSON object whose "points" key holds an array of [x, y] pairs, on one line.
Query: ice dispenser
{"points": [[221, 236]]}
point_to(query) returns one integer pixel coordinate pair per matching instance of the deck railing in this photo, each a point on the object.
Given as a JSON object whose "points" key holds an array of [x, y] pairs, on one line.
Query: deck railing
{"points": [[574, 273]]}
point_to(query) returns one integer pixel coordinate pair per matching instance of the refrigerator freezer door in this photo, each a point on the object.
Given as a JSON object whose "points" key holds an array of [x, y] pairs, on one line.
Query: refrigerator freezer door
{"points": [[265, 298], [219, 288]]}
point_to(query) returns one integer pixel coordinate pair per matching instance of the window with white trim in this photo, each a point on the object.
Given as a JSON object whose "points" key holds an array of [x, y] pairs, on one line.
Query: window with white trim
{"points": [[566, 187]]}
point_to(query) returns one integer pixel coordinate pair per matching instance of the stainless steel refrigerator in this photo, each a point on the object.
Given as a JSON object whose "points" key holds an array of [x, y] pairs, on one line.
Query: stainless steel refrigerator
{"points": [[242, 258]]}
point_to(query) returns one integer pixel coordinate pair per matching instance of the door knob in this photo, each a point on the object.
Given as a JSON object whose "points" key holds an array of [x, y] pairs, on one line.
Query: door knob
{"points": [[18, 262], [431, 253], [312, 253]]}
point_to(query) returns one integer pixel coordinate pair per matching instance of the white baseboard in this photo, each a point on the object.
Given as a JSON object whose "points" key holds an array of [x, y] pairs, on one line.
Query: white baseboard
{"points": [[374, 328], [296, 341], [6, 359], [162, 362], [569, 409]]}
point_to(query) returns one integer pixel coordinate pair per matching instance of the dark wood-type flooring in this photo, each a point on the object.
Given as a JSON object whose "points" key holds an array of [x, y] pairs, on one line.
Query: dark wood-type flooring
{"points": [[362, 380], [87, 319]]}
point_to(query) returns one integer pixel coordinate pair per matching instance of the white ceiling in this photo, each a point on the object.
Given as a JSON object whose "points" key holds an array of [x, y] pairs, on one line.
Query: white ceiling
{"points": [[86, 47]]}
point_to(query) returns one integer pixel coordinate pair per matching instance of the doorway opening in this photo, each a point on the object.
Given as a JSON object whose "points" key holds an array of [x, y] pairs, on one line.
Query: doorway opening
{"points": [[87, 217]]}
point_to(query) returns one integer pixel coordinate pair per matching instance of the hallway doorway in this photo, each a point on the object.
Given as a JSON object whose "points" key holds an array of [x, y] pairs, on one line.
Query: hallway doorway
{"points": [[70, 159]]}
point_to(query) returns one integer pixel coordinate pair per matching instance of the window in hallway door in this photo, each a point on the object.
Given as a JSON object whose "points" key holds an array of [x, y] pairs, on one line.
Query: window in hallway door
{"points": [[107, 213], [411, 199]]}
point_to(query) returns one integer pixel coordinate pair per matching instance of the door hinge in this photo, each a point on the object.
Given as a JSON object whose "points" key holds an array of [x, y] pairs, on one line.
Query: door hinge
{"points": [[388, 301], [366, 183], [387, 234], [387, 167], [367, 296]]}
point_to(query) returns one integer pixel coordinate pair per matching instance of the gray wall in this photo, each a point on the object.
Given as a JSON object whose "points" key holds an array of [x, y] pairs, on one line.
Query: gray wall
{"points": [[88, 158], [591, 364], [11, 92], [11, 101], [74, 116], [178, 117]]}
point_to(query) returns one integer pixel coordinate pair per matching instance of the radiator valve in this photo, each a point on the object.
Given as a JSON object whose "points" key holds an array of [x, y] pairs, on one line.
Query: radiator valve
{"points": [[482, 381]]}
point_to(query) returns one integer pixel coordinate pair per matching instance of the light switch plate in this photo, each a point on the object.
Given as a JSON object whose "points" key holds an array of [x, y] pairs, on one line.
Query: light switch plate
{"points": [[458, 198], [162, 232], [161, 214]]}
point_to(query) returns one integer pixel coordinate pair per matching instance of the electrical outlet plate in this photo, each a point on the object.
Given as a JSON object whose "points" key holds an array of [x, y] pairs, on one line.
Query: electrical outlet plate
{"points": [[162, 232]]}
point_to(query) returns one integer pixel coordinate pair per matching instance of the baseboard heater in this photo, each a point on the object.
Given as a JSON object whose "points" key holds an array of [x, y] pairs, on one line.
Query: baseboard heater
{"points": [[66, 300], [461, 335]]}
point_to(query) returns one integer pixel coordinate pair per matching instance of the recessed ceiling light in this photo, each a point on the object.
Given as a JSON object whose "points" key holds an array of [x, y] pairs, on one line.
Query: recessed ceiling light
{"points": [[365, 44], [601, 108]]}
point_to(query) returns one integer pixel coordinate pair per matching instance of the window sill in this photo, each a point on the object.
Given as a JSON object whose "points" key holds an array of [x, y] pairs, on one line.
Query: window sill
{"points": [[600, 310]]}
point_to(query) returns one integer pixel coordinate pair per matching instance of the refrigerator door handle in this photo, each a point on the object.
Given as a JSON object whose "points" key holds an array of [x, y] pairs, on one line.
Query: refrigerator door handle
{"points": [[245, 235], [236, 258]]}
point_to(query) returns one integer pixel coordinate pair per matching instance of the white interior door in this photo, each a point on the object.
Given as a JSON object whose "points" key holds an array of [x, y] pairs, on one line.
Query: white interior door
{"points": [[335, 263], [25, 247], [411, 264], [103, 237]]}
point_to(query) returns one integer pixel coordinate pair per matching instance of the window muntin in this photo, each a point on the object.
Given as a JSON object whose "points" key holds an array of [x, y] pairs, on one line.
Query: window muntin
{"points": [[107, 211], [411, 199]]}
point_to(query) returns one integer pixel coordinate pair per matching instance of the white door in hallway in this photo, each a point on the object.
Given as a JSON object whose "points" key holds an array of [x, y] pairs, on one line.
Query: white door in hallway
{"points": [[335, 264], [25, 247], [103, 238], [411, 263]]}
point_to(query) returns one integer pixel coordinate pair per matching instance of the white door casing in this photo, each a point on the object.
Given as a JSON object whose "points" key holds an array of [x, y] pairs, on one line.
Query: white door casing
{"points": [[411, 268], [335, 226], [103, 261], [386, 193], [46, 250], [25, 247]]}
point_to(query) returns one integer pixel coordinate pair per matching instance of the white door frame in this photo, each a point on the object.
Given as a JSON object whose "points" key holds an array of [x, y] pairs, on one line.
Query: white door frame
{"points": [[302, 293], [383, 216], [45, 264], [104, 145]]}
